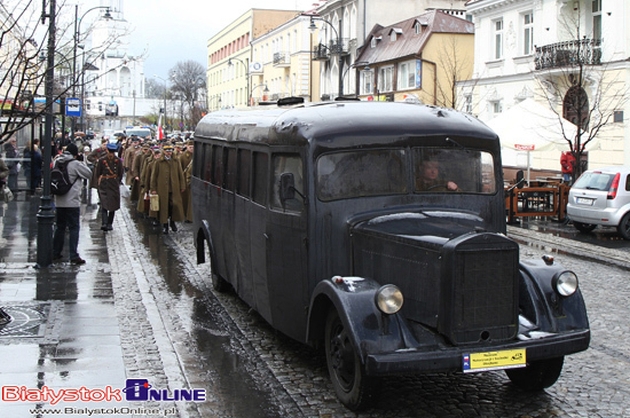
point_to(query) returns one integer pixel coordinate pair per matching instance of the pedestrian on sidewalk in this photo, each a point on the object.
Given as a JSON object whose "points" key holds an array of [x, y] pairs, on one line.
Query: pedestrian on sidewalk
{"points": [[68, 206], [33, 165], [108, 173], [11, 155]]}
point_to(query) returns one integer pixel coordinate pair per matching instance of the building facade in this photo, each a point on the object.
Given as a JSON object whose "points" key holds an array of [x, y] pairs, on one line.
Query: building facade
{"points": [[231, 68], [417, 59], [549, 52], [114, 84], [282, 65], [346, 24]]}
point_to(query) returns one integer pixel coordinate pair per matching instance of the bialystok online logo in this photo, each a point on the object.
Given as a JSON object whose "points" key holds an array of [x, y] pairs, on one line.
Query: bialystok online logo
{"points": [[136, 390]]}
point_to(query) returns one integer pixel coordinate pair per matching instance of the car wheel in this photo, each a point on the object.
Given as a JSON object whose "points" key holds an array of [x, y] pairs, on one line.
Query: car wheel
{"points": [[353, 388], [582, 227], [538, 375], [624, 226]]}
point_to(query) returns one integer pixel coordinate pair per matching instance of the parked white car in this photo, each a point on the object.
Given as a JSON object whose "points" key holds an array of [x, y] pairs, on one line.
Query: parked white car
{"points": [[601, 197]]}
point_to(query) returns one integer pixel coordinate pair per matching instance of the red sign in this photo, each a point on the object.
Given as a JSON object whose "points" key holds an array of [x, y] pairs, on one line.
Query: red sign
{"points": [[526, 147]]}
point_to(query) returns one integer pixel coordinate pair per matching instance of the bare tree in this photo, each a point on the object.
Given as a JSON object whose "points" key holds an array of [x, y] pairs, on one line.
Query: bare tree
{"points": [[579, 87], [23, 50], [188, 80], [455, 66]]}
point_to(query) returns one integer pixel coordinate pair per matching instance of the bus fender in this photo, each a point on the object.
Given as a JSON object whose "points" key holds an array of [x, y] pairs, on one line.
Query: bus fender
{"points": [[371, 331], [542, 305], [204, 237]]}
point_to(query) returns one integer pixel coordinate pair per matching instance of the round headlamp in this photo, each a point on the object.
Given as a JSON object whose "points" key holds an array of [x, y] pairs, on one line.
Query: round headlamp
{"points": [[389, 299], [565, 283]]}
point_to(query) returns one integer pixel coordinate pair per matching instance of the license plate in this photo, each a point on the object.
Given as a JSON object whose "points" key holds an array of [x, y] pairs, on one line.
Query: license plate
{"points": [[494, 360], [584, 201]]}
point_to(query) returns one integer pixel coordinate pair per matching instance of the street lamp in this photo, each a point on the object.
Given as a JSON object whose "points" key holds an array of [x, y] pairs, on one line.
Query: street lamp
{"points": [[45, 215], [77, 28], [337, 50], [265, 91], [246, 65]]}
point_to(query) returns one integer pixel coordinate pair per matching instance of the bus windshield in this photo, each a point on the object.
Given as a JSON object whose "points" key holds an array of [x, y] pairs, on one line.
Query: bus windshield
{"points": [[360, 173]]}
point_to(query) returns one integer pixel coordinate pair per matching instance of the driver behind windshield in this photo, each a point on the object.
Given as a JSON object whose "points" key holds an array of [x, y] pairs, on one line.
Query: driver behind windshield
{"points": [[431, 179]]}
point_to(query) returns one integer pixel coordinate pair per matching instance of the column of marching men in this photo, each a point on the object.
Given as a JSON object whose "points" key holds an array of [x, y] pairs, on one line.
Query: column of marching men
{"points": [[151, 168]]}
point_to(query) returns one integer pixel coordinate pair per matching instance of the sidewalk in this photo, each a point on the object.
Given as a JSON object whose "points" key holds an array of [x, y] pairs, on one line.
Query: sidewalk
{"points": [[64, 333]]}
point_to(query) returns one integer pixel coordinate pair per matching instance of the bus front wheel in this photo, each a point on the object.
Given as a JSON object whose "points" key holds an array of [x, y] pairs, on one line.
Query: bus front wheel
{"points": [[353, 388]]}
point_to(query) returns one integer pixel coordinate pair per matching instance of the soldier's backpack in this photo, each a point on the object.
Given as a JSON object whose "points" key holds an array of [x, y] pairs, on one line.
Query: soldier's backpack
{"points": [[59, 179]]}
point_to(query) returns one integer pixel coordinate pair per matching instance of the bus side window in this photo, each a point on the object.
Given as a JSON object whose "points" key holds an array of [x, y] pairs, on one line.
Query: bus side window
{"points": [[261, 177], [244, 172], [207, 162], [217, 165], [287, 163], [231, 172]]}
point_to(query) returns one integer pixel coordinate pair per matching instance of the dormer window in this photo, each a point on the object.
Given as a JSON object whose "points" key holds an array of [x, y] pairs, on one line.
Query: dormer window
{"points": [[393, 35], [374, 41], [417, 27]]}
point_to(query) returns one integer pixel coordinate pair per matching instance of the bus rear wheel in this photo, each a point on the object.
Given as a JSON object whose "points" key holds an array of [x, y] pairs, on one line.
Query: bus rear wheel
{"points": [[353, 388]]}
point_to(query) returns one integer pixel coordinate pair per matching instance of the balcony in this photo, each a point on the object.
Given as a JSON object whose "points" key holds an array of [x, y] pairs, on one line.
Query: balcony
{"points": [[569, 53], [322, 52], [281, 59]]}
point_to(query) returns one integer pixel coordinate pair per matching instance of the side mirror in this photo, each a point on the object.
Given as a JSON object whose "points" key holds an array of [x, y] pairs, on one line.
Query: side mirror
{"points": [[287, 187], [520, 179]]}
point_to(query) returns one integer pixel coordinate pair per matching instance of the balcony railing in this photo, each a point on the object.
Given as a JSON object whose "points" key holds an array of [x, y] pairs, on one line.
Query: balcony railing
{"points": [[569, 53], [334, 47], [281, 59]]}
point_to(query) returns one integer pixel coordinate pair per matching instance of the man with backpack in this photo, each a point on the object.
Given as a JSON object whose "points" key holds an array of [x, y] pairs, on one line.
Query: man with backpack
{"points": [[68, 205]]}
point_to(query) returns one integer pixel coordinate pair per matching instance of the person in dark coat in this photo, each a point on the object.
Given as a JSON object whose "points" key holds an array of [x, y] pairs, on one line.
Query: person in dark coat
{"points": [[108, 174], [33, 165], [11, 154]]}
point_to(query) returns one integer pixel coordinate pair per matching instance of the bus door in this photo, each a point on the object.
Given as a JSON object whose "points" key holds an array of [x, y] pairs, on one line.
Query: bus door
{"points": [[286, 248], [257, 224]]}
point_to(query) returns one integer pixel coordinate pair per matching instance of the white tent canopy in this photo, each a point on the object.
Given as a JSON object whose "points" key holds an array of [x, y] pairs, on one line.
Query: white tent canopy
{"points": [[531, 127]]}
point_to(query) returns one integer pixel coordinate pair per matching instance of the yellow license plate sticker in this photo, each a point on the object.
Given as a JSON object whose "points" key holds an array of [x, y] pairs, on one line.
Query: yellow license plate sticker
{"points": [[493, 360]]}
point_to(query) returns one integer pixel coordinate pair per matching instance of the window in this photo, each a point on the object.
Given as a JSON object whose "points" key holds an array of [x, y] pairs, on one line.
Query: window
{"points": [[496, 106], [385, 78], [367, 82], [498, 39], [230, 170], [244, 167], [417, 28], [217, 164], [468, 107], [352, 174], [439, 170], [288, 164], [407, 75], [597, 19], [261, 178], [528, 33]]}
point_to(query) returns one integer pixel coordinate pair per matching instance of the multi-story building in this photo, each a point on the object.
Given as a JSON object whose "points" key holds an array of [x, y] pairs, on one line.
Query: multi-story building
{"points": [[230, 66], [418, 59], [345, 25], [553, 54], [281, 63]]}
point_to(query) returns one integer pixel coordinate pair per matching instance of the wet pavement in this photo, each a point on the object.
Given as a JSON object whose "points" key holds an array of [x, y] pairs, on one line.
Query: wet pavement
{"points": [[64, 332]]}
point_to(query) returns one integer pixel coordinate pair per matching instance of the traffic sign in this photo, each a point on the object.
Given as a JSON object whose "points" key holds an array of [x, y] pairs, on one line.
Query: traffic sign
{"points": [[73, 106]]}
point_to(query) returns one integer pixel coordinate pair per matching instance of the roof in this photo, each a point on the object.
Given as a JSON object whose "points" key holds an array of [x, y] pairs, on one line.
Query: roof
{"points": [[408, 42], [332, 124]]}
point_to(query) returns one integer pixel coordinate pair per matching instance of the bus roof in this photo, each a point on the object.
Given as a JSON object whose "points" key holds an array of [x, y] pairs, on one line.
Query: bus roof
{"points": [[323, 122]]}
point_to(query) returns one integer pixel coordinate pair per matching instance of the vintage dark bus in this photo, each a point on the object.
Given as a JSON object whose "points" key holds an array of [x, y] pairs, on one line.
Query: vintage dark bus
{"points": [[323, 219]]}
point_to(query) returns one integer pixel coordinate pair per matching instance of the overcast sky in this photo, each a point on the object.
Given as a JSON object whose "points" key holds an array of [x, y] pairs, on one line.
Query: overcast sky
{"points": [[178, 30]]}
